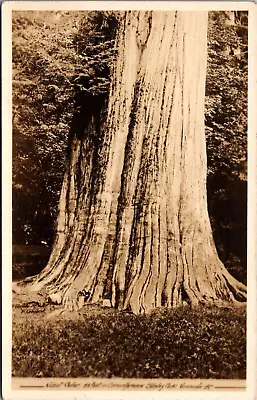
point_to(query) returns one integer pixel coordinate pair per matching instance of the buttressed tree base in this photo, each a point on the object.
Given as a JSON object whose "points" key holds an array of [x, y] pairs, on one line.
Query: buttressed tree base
{"points": [[133, 224]]}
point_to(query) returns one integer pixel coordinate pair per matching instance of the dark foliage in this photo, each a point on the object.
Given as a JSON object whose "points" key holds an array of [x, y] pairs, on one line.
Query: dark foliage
{"points": [[226, 136], [28, 260]]}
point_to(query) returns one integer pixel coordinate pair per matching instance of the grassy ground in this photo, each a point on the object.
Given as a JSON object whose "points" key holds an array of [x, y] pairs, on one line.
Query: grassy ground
{"points": [[101, 342]]}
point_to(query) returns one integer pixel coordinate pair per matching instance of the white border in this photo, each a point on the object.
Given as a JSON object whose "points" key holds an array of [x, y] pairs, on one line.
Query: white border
{"points": [[252, 204], [7, 8]]}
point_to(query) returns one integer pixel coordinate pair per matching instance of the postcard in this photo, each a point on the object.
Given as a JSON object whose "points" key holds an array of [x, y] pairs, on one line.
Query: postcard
{"points": [[129, 199]]}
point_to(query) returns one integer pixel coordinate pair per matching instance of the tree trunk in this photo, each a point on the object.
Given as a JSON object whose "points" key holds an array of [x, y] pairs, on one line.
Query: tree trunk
{"points": [[133, 224]]}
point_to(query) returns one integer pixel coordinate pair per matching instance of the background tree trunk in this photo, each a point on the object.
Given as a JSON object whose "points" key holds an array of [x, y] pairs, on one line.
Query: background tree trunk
{"points": [[133, 207]]}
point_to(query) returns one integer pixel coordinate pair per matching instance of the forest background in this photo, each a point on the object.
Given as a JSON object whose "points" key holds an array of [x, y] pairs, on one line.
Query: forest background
{"points": [[52, 52]]}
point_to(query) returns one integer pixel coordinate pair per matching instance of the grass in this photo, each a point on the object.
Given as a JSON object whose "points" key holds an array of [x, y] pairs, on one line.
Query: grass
{"points": [[203, 342]]}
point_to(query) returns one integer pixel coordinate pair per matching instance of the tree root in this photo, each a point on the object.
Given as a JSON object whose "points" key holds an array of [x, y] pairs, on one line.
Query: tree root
{"points": [[70, 300]]}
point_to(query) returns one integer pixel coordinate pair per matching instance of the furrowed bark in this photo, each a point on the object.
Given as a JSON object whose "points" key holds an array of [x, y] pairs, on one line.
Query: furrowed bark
{"points": [[133, 222]]}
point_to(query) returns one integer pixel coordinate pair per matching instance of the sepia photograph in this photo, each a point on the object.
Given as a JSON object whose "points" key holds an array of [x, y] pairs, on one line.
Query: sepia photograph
{"points": [[129, 198]]}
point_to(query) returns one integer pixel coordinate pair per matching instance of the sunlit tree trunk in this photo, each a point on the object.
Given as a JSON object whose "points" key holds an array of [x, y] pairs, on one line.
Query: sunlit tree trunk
{"points": [[133, 224]]}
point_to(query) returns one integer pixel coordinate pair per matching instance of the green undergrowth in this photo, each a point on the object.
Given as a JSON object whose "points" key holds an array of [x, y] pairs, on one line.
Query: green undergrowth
{"points": [[203, 342]]}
